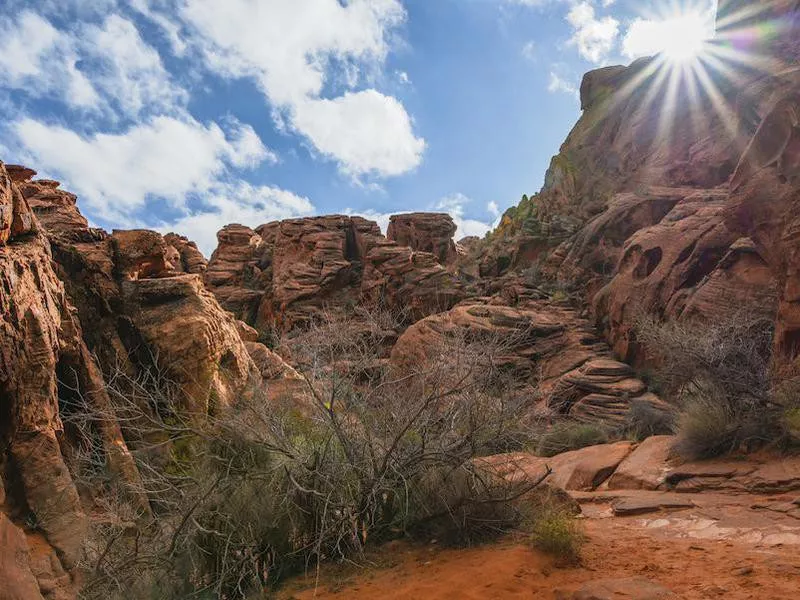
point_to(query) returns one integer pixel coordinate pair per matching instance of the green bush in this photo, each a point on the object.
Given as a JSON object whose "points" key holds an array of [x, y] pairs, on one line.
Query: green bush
{"points": [[556, 531], [570, 435], [708, 427]]}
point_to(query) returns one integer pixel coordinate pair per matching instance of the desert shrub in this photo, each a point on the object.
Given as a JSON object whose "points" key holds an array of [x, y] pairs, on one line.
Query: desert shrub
{"points": [[570, 435], [461, 507], [555, 530], [644, 420], [709, 428], [264, 489], [718, 374]]}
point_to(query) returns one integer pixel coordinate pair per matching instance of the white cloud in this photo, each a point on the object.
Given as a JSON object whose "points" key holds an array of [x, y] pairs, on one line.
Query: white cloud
{"points": [[559, 84], [594, 37], [132, 74], [169, 27], [454, 204], [36, 57], [238, 202], [290, 47], [367, 131], [119, 72], [116, 174], [493, 209]]}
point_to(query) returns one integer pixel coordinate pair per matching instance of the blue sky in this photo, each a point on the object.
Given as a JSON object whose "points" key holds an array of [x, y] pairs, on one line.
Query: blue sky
{"points": [[189, 114]]}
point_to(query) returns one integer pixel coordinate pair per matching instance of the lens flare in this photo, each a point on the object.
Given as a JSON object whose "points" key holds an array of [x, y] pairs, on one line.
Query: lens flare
{"points": [[678, 38]]}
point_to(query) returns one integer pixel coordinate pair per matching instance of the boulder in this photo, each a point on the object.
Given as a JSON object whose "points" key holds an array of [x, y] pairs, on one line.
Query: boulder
{"points": [[646, 467], [578, 470], [140, 254], [586, 469]]}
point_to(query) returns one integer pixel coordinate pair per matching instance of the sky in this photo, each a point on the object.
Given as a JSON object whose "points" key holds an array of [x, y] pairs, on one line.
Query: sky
{"points": [[187, 115]]}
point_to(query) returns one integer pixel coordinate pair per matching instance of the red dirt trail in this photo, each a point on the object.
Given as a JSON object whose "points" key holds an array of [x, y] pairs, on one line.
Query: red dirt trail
{"points": [[693, 568]]}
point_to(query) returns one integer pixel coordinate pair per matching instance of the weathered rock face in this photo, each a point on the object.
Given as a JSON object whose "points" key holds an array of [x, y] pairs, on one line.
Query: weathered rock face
{"points": [[661, 230], [425, 232], [689, 264], [619, 142], [765, 199], [545, 346], [184, 255], [33, 338], [233, 272], [141, 313], [289, 273]]}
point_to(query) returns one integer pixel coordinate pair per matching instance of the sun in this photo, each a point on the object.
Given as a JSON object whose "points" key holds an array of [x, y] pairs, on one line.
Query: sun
{"points": [[683, 38], [677, 37]]}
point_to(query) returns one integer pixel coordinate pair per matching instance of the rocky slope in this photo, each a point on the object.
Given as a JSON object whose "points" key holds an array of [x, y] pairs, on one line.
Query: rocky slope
{"points": [[667, 201]]}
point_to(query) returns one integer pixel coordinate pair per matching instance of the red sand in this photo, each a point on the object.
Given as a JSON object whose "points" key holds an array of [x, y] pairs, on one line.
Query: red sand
{"points": [[616, 548]]}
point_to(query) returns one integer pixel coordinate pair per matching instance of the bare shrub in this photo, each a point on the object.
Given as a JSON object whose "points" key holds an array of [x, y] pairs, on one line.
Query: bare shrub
{"points": [[718, 374], [264, 489]]}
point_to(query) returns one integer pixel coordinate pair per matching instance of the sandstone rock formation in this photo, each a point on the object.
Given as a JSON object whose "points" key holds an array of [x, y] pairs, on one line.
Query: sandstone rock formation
{"points": [[288, 273], [765, 195], [55, 275], [546, 347], [184, 255], [33, 308], [690, 218], [663, 224], [425, 232]]}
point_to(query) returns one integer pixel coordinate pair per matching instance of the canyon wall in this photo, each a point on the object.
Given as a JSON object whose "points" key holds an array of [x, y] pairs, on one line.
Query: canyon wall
{"points": [[667, 198]]}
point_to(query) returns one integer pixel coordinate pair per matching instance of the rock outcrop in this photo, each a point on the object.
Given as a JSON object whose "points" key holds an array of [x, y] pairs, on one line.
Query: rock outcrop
{"points": [[546, 347], [668, 219], [33, 340], [289, 273], [143, 313], [765, 199], [425, 232]]}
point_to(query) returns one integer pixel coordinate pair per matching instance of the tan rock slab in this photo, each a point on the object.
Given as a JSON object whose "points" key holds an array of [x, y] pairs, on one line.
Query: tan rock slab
{"points": [[646, 467]]}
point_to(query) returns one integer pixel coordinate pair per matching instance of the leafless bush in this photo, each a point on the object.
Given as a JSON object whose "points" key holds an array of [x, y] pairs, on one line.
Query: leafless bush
{"points": [[718, 373], [264, 489]]}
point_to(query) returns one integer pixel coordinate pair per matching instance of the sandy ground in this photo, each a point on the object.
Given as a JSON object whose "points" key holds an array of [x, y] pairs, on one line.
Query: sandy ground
{"points": [[722, 548]]}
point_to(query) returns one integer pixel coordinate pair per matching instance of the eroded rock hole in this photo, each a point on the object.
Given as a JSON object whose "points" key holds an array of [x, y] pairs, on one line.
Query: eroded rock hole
{"points": [[648, 262]]}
